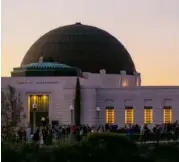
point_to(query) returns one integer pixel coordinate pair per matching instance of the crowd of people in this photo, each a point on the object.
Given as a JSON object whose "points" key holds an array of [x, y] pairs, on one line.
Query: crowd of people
{"points": [[157, 133], [47, 133]]}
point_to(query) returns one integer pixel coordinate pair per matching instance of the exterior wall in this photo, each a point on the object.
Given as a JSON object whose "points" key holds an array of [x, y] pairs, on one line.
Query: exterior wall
{"points": [[138, 97], [59, 89], [97, 90], [103, 80]]}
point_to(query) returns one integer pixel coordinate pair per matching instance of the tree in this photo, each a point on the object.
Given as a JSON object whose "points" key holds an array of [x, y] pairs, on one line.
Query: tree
{"points": [[77, 103], [11, 109]]}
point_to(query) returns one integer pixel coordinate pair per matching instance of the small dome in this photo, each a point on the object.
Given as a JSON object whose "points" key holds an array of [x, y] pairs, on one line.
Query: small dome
{"points": [[86, 47], [46, 67]]}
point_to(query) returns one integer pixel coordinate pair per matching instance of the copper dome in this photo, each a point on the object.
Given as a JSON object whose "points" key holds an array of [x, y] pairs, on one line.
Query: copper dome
{"points": [[86, 47]]}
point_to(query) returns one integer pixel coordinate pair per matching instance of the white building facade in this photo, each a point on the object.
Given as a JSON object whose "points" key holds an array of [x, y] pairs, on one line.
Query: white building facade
{"points": [[105, 98], [110, 85]]}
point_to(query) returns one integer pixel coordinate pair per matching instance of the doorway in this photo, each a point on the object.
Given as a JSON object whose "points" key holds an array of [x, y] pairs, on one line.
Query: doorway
{"points": [[42, 108]]}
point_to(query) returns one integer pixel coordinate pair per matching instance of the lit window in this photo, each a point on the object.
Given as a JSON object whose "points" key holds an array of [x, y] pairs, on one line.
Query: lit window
{"points": [[110, 115], [129, 115], [42, 102], [167, 115], [34, 99], [124, 83], [148, 115]]}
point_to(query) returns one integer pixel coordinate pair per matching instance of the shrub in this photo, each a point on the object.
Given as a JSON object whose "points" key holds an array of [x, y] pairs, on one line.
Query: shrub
{"points": [[105, 147], [165, 152]]}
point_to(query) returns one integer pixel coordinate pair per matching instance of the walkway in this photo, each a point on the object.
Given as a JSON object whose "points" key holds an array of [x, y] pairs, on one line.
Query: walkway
{"points": [[160, 142]]}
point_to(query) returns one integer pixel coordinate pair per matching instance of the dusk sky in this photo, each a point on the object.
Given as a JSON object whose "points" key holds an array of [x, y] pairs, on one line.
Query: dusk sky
{"points": [[149, 29]]}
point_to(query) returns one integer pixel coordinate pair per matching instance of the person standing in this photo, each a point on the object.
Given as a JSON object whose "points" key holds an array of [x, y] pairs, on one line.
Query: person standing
{"points": [[43, 120], [36, 136], [28, 133], [49, 136], [44, 134]]}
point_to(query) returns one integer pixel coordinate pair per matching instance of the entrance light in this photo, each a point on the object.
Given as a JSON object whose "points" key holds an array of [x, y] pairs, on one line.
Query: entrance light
{"points": [[34, 107], [45, 97]]}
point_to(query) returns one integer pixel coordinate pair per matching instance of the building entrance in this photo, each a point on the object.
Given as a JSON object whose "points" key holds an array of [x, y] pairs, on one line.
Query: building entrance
{"points": [[41, 104]]}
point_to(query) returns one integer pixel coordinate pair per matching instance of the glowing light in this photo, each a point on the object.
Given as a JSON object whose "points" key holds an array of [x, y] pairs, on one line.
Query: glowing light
{"points": [[34, 98], [124, 83], [109, 116], [45, 97], [129, 116], [148, 116], [167, 115]]}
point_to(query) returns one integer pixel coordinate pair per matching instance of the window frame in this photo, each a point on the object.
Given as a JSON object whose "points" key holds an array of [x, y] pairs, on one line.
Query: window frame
{"points": [[42, 105], [150, 120], [108, 108], [170, 115], [131, 118]]}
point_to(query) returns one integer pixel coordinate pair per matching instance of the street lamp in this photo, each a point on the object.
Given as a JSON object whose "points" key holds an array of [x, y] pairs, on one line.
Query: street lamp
{"points": [[71, 110], [97, 111], [34, 108]]}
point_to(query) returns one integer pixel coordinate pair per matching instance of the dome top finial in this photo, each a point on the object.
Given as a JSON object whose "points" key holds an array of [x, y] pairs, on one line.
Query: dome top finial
{"points": [[78, 23]]}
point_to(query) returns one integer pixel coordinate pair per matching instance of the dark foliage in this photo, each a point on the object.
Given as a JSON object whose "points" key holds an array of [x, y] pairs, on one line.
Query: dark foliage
{"points": [[77, 103], [11, 111], [97, 147], [102, 147], [165, 152]]}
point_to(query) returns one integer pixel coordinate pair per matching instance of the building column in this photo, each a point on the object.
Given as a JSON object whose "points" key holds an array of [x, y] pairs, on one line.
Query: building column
{"points": [[158, 111], [50, 108], [157, 115], [138, 116], [121, 117], [175, 112], [119, 113], [139, 112]]}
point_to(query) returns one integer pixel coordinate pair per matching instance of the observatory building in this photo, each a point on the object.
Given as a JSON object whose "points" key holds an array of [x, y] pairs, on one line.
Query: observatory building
{"points": [[80, 74]]}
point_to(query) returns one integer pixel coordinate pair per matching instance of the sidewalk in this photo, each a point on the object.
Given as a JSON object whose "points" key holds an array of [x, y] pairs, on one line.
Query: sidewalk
{"points": [[160, 142]]}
